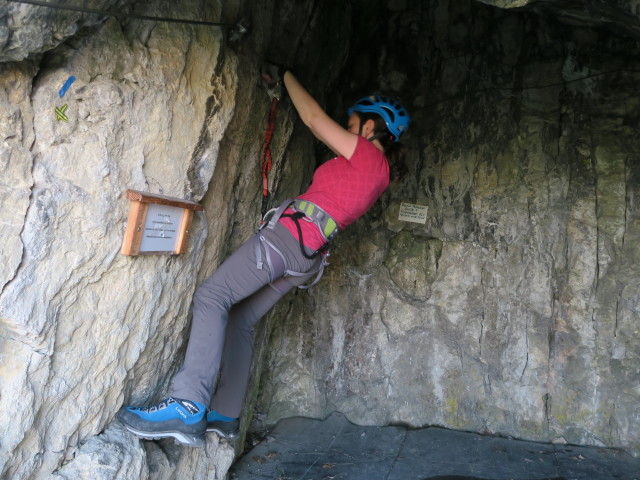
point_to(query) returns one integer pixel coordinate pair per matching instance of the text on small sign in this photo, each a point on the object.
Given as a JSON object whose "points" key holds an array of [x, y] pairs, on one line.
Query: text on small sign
{"points": [[410, 212]]}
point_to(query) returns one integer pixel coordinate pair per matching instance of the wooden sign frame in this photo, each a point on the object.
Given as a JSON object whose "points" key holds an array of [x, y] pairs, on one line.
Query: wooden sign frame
{"points": [[157, 224]]}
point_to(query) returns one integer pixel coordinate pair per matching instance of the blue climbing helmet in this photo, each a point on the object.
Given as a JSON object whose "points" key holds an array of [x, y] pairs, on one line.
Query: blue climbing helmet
{"points": [[394, 115]]}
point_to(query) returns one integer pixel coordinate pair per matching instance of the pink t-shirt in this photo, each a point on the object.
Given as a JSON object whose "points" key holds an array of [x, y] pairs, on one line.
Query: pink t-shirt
{"points": [[345, 189]]}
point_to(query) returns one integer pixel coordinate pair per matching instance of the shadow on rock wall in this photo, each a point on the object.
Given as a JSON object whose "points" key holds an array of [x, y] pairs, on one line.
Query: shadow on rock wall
{"points": [[512, 309]]}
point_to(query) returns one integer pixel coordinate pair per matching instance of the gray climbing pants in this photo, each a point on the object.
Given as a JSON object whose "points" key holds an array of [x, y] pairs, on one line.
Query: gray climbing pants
{"points": [[226, 308]]}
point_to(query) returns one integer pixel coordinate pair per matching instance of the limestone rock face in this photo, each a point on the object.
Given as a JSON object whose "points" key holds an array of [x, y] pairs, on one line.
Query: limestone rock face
{"points": [[620, 16], [116, 454], [16, 131], [28, 30], [82, 328]]}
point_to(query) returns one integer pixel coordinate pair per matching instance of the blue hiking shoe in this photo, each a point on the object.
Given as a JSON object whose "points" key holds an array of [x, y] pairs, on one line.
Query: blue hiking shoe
{"points": [[226, 427], [182, 420]]}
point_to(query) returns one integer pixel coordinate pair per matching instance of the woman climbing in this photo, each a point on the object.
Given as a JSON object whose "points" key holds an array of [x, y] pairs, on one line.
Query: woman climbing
{"points": [[284, 254]]}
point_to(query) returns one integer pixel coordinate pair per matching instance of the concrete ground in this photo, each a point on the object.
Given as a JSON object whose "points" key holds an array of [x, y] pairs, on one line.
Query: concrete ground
{"points": [[335, 449]]}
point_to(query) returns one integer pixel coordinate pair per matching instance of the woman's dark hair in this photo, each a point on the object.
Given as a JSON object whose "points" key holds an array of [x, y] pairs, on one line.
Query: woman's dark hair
{"points": [[394, 151]]}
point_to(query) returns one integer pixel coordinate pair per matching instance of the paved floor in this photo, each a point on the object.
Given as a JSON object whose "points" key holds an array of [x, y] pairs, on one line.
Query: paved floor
{"points": [[335, 449]]}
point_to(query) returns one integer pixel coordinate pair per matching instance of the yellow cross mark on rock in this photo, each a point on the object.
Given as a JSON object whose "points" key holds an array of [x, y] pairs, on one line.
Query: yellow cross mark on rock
{"points": [[60, 115]]}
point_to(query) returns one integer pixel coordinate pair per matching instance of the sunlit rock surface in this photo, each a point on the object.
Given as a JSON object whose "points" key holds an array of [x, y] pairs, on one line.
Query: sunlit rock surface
{"points": [[83, 328]]}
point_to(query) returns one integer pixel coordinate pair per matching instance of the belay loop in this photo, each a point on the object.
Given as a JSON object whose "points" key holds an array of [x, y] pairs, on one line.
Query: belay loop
{"points": [[266, 155]]}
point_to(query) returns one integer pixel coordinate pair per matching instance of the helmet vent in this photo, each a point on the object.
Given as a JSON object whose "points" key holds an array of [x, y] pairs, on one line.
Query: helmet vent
{"points": [[392, 112]]}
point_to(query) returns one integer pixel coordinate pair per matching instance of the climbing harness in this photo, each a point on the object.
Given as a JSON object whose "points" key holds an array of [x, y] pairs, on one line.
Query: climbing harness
{"points": [[267, 161], [307, 211], [303, 210], [328, 226]]}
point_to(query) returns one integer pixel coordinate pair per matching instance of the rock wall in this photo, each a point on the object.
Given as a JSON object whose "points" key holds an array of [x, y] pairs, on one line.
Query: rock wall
{"points": [[513, 309], [82, 328], [160, 107], [29, 32]]}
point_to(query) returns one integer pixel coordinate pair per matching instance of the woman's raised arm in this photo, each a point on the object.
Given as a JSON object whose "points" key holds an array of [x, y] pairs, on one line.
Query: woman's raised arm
{"points": [[328, 131]]}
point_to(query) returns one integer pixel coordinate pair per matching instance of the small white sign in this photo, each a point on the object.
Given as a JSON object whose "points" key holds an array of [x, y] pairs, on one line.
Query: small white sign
{"points": [[161, 228], [413, 213]]}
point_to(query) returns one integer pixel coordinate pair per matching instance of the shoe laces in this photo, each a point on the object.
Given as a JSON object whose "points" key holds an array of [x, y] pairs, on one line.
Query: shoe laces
{"points": [[158, 406]]}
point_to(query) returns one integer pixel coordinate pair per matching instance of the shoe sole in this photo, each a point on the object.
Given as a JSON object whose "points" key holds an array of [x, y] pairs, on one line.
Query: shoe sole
{"points": [[181, 438], [222, 433]]}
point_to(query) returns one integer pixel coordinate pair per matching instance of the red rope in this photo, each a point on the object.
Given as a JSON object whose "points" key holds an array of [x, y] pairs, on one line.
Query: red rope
{"points": [[266, 152]]}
